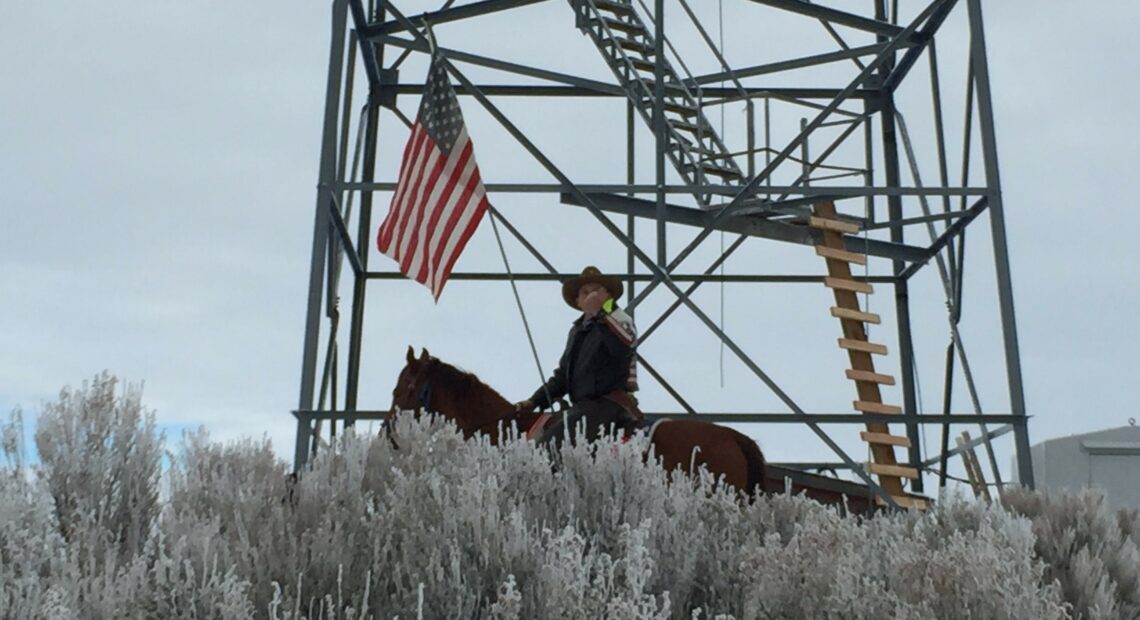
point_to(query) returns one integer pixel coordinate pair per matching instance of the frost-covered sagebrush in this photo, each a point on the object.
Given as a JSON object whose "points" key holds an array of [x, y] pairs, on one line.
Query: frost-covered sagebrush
{"points": [[1090, 549], [447, 528], [100, 458]]}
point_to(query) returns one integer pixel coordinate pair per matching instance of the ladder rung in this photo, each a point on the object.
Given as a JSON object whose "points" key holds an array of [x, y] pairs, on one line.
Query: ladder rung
{"points": [[870, 377], [844, 284], [906, 501], [843, 255], [636, 46], [669, 86], [642, 64], [885, 439], [617, 24], [670, 106], [855, 315], [720, 171], [702, 154], [867, 406], [711, 156], [613, 7], [689, 127], [896, 471], [677, 108], [829, 224], [861, 345]]}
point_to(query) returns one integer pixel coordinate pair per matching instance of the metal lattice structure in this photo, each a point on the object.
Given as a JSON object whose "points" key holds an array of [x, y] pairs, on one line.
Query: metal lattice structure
{"points": [[857, 99]]}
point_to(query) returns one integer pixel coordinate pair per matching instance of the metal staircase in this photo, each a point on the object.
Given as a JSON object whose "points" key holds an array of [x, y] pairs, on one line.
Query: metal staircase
{"points": [[629, 49]]}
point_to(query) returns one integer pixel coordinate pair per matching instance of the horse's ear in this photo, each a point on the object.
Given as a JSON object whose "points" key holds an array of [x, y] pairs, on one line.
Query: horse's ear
{"points": [[424, 356], [411, 354]]}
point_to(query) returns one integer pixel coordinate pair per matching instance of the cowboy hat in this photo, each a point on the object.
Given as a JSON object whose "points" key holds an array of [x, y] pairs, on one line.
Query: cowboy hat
{"points": [[590, 275]]}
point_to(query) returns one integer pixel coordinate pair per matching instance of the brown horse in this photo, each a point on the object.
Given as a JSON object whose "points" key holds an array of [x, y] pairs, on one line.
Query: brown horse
{"points": [[431, 385]]}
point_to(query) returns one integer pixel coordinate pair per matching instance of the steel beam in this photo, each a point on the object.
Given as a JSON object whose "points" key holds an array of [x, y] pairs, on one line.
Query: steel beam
{"points": [[636, 277], [787, 65], [510, 67], [337, 222], [900, 70], [951, 232], [973, 443], [815, 192], [836, 17], [746, 225], [364, 235], [326, 176], [474, 9], [371, 67], [713, 95], [997, 227]]}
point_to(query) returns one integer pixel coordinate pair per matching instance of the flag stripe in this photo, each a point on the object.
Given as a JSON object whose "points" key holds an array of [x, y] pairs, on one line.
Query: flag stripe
{"points": [[469, 218], [411, 156], [439, 199], [454, 209], [398, 216], [408, 198], [415, 201], [440, 225]]}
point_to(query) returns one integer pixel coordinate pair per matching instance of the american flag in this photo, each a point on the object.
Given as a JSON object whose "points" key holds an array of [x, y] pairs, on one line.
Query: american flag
{"points": [[439, 199]]}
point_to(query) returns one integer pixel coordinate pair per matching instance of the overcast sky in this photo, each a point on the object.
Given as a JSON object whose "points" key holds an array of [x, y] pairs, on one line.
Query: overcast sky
{"points": [[158, 164]]}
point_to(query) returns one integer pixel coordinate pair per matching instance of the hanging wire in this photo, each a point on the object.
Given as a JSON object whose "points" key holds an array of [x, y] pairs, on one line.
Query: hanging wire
{"points": [[720, 37], [494, 214]]}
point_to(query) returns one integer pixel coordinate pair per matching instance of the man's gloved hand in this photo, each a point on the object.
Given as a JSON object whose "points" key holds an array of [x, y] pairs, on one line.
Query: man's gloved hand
{"points": [[593, 302], [524, 406]]}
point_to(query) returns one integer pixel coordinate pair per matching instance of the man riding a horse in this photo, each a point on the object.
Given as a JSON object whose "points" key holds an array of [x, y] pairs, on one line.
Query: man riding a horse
{"points": [[597, 373], [597, 370]]}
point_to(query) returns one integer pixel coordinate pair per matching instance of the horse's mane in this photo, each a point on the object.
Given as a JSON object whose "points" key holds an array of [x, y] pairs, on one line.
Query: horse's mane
{"points": [[466, 385]]}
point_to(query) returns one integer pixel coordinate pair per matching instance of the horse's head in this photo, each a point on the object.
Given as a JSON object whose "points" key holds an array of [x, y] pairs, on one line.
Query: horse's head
{"points": [[430, 384], [412, 386]]}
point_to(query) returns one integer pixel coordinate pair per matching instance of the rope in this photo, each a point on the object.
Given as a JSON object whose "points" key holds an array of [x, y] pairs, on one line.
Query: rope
{"points": [[720, 37], [518, 301]]}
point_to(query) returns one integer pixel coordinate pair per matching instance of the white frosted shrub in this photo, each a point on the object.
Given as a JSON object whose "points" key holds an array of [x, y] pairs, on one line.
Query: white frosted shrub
{"points": [[100, 457], [33, 554], [1089, 548], [230, 499], [185, 578], [447, 528]]}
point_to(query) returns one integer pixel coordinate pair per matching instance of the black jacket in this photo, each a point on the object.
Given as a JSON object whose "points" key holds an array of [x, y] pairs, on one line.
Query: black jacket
{"points": [[597, 360]]}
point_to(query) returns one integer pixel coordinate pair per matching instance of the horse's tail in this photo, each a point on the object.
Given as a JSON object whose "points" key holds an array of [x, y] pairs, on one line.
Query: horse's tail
{"points": [[757, 470]]}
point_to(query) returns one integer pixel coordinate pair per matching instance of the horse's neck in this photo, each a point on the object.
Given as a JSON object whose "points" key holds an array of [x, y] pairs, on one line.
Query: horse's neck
{"points": [[482, 406], [489, 408]]}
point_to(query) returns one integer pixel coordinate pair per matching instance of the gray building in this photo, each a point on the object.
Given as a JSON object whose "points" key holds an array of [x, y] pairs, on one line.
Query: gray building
{"points": [[1109, 459]]}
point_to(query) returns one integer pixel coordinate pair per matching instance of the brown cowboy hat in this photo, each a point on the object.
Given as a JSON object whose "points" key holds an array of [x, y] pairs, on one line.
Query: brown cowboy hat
{"points": [[590, 275]]}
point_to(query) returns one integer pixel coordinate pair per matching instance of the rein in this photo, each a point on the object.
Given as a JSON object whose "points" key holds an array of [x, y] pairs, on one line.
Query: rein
{"points": [[425, 396]]}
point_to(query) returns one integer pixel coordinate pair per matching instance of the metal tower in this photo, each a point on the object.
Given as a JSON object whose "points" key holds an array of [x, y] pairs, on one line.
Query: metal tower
{"points": [[837, 138]]}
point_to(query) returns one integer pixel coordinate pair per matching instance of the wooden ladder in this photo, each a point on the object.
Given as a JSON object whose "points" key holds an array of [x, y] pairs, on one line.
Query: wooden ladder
{"points": [[860, 352], [974, 471]]}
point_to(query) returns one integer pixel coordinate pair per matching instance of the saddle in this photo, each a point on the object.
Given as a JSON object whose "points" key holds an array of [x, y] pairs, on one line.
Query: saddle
{"points": [[630, 420]]}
